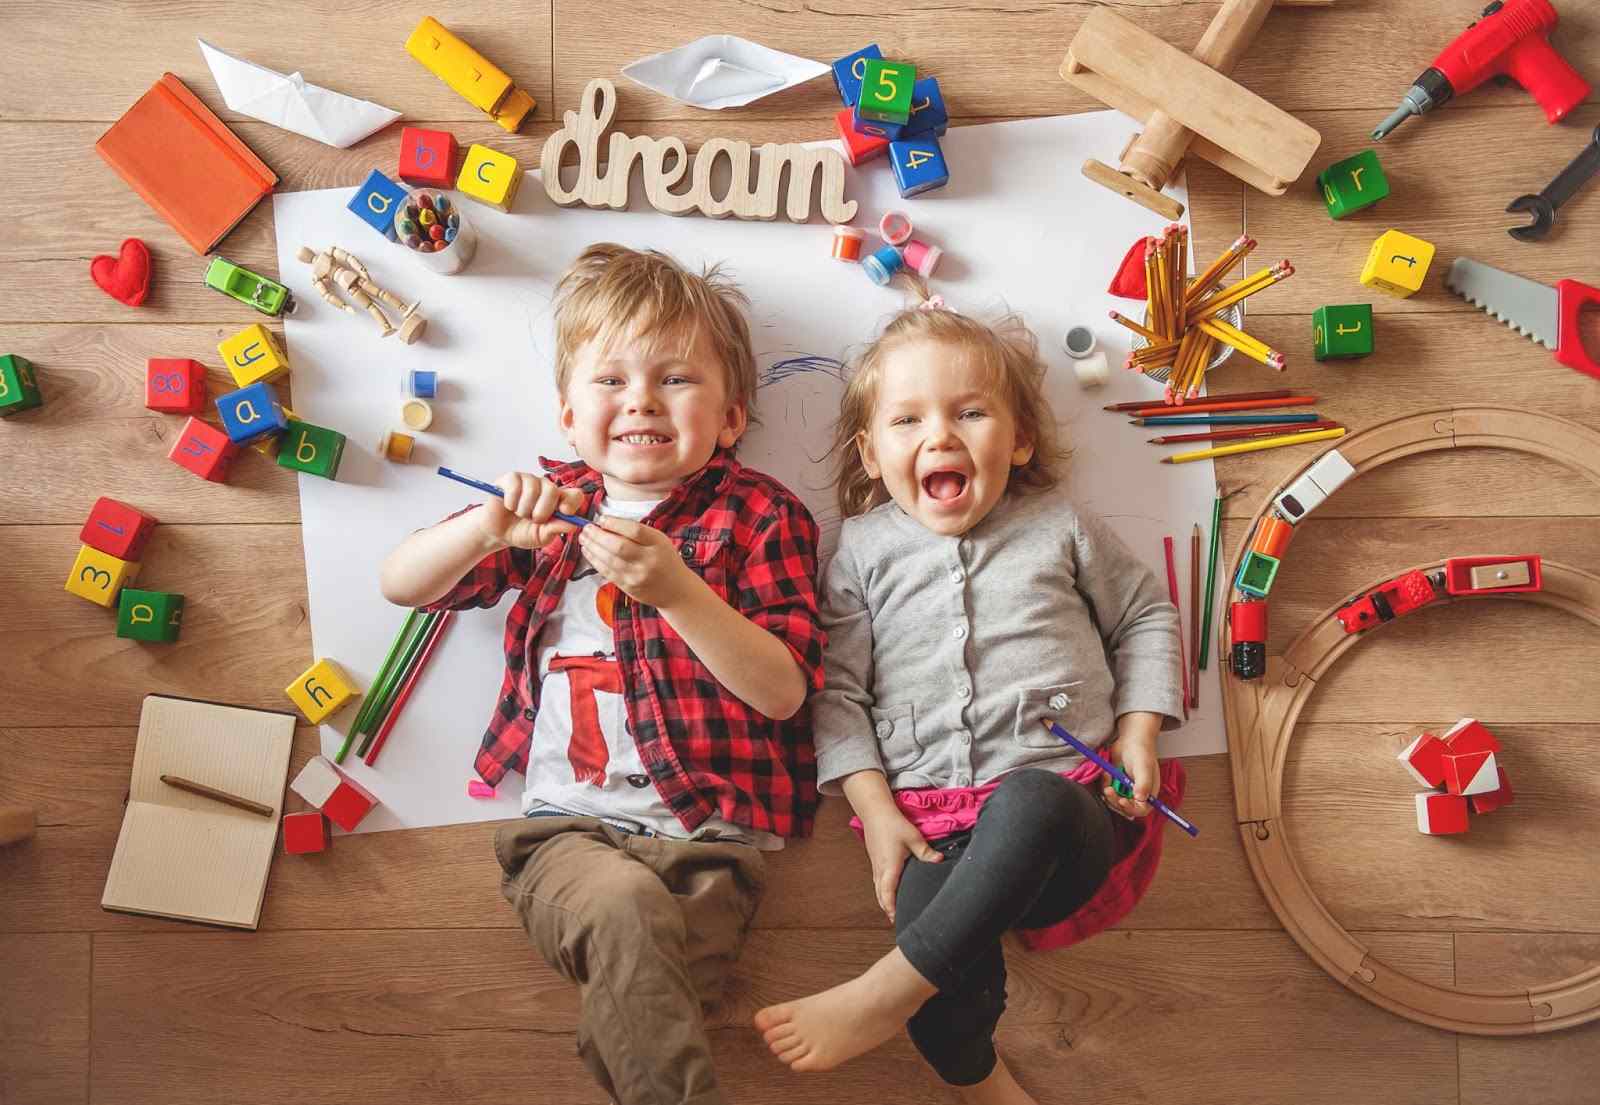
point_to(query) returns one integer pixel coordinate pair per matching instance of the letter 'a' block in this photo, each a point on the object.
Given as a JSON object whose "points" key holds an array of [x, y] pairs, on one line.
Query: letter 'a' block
{"points": [[1342, 331], [117, 529], [427, 157], [253, 354], [175, 385], [149, 615], [490, 177], [375, 203], [98, 576], [1356, 182], [19, 391], [204, 450], [305, 832], [918, 165], [333, 792], [251, 413], [320, 690], [1397, 264], [311, 449]]}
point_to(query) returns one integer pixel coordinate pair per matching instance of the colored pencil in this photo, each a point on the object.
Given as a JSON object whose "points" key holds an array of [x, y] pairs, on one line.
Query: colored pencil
{"points": [[1217, 404], [1222, 419], [1211, 579], [370, 756], [1240, 432], [384, 680], [1194, 618], [386, 693], [1118, 774], [383, 670], [219, 796], [1172, 592], [1140, 404], [493, 490], [1254, 446]]}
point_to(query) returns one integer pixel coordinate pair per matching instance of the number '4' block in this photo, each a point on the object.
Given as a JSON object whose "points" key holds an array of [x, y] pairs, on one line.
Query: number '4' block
{"points": [[254, 354], [149, 615], [848, 71], [98, 576], [117, 529], [1342, 331], [204, 450], [320, 690], [251, 413], [1353, 183], [886, 91], [338, 796], [175, 385], [918, 165], [1397, 263], [19, 391], [311, 449], [427, 157]]}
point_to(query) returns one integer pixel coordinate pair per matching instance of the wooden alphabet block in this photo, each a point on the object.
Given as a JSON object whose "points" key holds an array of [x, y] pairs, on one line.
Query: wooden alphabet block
{"points": [[490, 177], [305, 832], [204, 450], [175, 385], [1342, 331], [918, 165], [117, 529], [1256, 573], [375, 201], [1397, 264], [149, 615], [427, 157], [253, 354], [848, 71], [19, 388], [338, 796], [1441, 814], [1353, 183], [928, 113], [251, 413], [886, 91], [320, 690], [98, 576], [858, 147], [312, 449]]}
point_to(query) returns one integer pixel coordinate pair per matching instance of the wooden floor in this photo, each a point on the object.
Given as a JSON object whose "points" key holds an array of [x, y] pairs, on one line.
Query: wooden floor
{"points": [[389, 970]]}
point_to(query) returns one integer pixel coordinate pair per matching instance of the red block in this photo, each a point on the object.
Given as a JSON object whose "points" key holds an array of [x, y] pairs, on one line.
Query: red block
{"points": [[204, 450], [305, 832], [1485, 803], [426, 158], [175, 385], [348, 804], [117, 529], [1467, 735], [858, 147], [1441, 814], [1424, 758], [1469, 773]]}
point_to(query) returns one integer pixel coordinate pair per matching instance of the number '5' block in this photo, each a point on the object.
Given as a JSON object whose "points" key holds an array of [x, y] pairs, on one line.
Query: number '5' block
{"points": [[886, 91], [98, 576], [320, 690], [254, 354], [117, 529], [1342, 331], [175, 385], [918, 165], [427, 158], [18, 390], [149, 615], [311, 449], [204, 450]]}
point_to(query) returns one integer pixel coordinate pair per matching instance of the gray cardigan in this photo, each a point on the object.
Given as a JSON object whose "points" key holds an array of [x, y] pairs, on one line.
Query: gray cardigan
{"points": [[944, 652]]}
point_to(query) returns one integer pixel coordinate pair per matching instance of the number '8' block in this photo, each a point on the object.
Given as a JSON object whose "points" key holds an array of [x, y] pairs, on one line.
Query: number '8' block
{"points": [[18, 389], [1353, 183], [312, 449], [918, 165], [254, 354], [174, 385], [98, 576], [251, 413], [1397, 264], [149, 615], [376, 201], [490, 177], [117, 529], [320, 690], [1342, 331], [848, 71], [204, 450], [427, 157], [886, 91]]}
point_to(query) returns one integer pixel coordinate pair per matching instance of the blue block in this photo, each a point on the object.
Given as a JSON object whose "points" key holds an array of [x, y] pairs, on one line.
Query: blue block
{"points": [[847, 73], [250, 413], [375, 203], [928, 114], [423, 385], [918, 165], [877, 128]]}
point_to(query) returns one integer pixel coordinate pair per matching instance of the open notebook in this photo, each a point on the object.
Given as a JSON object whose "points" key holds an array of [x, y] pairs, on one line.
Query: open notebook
{"points": [[189, 857]]}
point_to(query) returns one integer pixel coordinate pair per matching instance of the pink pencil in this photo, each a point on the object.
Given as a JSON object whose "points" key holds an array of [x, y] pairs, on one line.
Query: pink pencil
{"points": [[1172, 590], [405, 690]]}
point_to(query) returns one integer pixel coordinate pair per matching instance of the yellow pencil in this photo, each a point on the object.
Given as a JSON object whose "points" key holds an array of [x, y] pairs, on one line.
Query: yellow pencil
{"points": [[1144, 332], [1253, 445], [1242, 290], [1251, 347], [1218, 269]]}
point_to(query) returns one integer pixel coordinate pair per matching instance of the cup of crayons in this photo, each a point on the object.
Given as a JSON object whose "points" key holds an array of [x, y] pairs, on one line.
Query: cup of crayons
{"points": [[434, 230]]}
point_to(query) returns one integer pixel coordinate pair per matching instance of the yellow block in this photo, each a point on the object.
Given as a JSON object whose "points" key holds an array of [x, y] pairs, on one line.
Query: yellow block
{"points": [[254, 354], [1398, 263], [320, 690], [490, 176], [98, 577]]}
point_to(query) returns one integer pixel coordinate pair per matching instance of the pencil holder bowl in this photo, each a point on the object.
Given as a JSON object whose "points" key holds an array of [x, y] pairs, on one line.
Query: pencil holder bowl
{"points": [[435, 230], [1234, 316]]}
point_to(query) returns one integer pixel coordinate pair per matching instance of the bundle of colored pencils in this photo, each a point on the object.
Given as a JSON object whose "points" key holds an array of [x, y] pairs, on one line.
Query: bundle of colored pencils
{"points": [[408, 655], [1182, 316], [1253, 420]]}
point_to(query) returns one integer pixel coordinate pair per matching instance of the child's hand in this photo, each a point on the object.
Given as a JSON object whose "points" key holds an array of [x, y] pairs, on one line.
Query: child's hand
{"points": [[1134, 750], [891, 840], [639, 559], [523, 519]]}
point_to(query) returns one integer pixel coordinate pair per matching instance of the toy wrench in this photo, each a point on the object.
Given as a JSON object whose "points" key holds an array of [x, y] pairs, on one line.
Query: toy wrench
{"points": [[1548, 315]]}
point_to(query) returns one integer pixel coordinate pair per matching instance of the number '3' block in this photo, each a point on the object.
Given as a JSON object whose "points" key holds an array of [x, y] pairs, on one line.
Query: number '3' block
{"points": [[98, 576], [117, 529], [918, 165]]}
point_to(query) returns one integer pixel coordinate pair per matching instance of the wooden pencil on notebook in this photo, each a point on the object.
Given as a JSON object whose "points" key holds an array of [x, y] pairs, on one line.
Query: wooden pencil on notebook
{"points": [[259, 808]]}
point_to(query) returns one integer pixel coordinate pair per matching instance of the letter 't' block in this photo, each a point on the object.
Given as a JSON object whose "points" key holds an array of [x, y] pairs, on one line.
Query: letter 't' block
{"points": [[490, 177], [1344, 330], [253, 354], [375, 203], [427, 157], [886, 91], [98, 576], [311, 449], [1397, 264], [344, 801], [19, 389], [251, 413], [175, 385], [204, 450], [320, 690], [117, 529], [848, 71], [149, 615], [918, 165], [305, 832], [1356, 182]]}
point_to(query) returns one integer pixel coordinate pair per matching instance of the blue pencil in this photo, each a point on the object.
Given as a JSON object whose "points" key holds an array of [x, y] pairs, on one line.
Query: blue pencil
{"points": [[1116, 773], [1222, 419], [493, 490]]}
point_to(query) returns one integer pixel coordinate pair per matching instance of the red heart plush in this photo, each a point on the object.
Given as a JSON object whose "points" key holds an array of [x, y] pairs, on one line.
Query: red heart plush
{"points": [[125, 277]]}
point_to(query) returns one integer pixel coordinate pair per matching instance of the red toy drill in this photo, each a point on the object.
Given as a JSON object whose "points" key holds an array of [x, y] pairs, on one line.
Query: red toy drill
{"points": [[1510, 39]]}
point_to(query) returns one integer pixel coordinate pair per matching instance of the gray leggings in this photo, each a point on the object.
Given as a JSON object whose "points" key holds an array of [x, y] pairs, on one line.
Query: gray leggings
{"points": [[1041, 848]]}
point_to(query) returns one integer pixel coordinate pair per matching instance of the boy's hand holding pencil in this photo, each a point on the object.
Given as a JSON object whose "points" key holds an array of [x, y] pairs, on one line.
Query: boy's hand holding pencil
{"points": [[525, 516]]}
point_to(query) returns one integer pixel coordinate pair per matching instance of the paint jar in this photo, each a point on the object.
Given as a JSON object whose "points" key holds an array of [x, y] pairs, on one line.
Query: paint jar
{"points": [[922, 258], [435, 230], [883, 263], [1088, 362], [421, 384], [396, 446], [895, 227], [416, 414], [847, 243]]}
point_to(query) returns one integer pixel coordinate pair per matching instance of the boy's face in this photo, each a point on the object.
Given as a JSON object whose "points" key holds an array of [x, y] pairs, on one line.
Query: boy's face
{"points": [[648, 415], [940, 440]]}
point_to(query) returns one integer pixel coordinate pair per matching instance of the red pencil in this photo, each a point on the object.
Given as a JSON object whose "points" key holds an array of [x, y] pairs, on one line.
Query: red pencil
{"points": [[1245, 431], [1211, 404], [1278, 394], [1172, 590], [405, 689], [1194, 618]]}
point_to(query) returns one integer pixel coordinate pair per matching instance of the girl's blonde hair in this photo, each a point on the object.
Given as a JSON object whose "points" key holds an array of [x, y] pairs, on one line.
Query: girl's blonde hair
{"points": [[1006, 352]]}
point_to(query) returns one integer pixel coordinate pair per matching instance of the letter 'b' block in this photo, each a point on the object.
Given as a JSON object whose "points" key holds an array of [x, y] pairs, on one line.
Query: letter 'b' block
{"points": [[311, 449], [375, 202], [1397, 264], [253, 354], [427, 158], [1353, 183], [490, 177], [1342, 331], [320, 690]]}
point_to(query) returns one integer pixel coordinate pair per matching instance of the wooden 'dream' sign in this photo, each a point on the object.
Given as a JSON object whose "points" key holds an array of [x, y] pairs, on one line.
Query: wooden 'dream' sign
{"points": [[664, 162]]}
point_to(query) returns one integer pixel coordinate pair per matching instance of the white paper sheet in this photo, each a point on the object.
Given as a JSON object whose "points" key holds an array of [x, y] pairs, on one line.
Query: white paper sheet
{"points": [[1021, 229]]}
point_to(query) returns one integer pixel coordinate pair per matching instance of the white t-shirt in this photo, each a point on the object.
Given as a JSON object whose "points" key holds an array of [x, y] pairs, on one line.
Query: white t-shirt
{"points": [[582, 759]]}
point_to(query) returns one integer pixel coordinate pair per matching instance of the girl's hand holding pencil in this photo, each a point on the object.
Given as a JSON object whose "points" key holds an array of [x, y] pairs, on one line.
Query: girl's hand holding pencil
{"points": [[1134, 751], [524, 517]]}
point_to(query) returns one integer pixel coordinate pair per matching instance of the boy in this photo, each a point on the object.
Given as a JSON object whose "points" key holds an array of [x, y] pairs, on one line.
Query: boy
{"points": [[657, 662]]}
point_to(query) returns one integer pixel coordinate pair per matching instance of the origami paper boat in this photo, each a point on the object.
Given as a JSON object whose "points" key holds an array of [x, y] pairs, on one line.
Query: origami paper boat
{"points": [[721, 71], [291, 102]]}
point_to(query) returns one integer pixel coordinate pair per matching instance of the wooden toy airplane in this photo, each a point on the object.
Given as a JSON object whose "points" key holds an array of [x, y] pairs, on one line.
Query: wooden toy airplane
{"points": [[1187, 104]]}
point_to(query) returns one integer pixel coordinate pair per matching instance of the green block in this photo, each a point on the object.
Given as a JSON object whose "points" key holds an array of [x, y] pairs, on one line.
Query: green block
{"points": [[19, 390], [1342, 331], [1353, 183], [313, 449], [1257, 573], [149, 615], [886, 88]]}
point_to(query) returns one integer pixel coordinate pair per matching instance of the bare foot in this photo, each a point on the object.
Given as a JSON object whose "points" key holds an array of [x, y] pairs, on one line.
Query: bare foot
{"points": [[1000, 1088], [827, 1029]]}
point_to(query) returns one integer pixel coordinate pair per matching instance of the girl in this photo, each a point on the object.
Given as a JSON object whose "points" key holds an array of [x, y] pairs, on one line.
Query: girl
{"points": [[967, 601]]}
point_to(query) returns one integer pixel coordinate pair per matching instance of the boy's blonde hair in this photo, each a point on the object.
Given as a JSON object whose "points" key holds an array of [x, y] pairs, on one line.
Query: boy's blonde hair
{"points": [[1007, 353], [611, 292]]}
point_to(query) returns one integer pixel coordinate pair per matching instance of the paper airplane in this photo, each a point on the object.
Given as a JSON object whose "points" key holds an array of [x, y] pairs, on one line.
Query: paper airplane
{"points": [[291, 102], [721, 71]]}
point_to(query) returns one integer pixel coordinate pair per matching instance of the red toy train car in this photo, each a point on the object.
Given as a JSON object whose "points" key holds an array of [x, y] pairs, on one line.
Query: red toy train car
{"points": [[1390, 600]]}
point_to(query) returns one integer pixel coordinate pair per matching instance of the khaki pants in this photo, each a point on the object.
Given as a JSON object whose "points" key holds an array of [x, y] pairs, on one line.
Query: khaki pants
{"points": [[649, 929]]}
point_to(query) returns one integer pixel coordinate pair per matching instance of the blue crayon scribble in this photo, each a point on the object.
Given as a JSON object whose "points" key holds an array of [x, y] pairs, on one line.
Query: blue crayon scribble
{"points": [[794, 366]]}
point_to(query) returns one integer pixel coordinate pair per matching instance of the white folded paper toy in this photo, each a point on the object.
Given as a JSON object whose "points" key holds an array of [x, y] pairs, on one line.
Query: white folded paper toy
{"points": [[721, 71], [290, 102]]}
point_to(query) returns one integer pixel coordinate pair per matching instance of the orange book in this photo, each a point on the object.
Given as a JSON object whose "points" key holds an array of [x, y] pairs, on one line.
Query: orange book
{"points": [[186, 163]]}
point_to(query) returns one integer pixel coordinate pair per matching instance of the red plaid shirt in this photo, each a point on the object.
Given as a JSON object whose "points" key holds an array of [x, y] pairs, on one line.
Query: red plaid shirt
{"points": [[705, 750]]}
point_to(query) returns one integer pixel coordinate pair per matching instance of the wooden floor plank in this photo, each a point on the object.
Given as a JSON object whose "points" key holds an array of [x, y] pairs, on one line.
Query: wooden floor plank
{"points": [[44, 1017]]}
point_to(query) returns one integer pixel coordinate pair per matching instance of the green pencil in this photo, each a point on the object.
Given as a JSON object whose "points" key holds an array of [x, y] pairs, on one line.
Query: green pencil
{"points": [[385, 696], [383, 670], [1211, 575]]}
